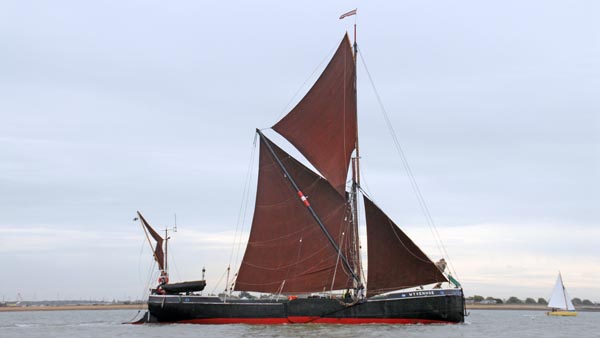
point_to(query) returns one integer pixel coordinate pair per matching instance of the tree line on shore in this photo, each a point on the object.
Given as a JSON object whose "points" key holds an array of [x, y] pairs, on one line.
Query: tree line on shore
{"points": [[528, 301]]}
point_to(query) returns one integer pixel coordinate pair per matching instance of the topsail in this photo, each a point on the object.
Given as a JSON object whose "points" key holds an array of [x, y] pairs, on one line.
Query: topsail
{"points": [[323, 124]]}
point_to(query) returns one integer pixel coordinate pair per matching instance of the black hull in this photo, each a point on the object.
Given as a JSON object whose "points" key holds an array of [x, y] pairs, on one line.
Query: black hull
{"points": [[427, 306]]}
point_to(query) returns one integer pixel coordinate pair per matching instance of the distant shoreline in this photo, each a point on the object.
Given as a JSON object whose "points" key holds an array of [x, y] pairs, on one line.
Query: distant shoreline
{"points": [[74, 307], [525, 307], [529, 307], [518, 307]]}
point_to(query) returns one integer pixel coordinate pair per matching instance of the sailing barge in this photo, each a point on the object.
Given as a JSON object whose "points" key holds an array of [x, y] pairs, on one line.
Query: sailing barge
{"points": [[304, 238]]}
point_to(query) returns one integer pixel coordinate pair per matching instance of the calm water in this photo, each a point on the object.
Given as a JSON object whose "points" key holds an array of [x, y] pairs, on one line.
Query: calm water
{"points": [[483, 323]]}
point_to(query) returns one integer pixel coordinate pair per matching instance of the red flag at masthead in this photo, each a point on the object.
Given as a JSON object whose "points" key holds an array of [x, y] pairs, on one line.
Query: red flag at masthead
{"points": [[352, 12]]}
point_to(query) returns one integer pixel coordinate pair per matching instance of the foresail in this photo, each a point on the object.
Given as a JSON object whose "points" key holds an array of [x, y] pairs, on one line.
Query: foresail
{"points": [[394, 260], [159, 255], [570, 305], [287, 252], [322, 126]]}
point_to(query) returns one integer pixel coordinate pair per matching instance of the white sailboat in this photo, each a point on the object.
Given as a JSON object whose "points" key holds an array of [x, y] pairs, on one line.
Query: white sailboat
{"points": [[560, 302]]}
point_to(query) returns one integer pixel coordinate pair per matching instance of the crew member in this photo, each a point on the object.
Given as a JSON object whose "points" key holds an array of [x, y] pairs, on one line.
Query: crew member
{"points": [[441, 265]]}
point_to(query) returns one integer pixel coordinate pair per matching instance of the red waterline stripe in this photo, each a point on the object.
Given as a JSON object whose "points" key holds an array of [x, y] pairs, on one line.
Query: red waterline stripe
{"points": [[311, 319], [375, 321], [236, 321]]}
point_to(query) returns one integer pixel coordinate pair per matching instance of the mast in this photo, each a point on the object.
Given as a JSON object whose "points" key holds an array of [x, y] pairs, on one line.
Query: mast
{"points": [[356, 179], [355, 174], [166, 250], [167, 238]]}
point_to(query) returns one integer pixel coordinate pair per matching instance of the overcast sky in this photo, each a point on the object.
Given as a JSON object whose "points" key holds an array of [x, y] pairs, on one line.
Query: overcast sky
{"points": [[116, 106]]}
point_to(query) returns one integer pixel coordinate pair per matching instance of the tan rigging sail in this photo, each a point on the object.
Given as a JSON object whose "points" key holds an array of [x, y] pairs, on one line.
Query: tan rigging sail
{"points": [[159, 255]]}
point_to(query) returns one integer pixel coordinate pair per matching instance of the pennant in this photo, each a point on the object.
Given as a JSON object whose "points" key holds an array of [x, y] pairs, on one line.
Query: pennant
{"points": [[352, 12]]}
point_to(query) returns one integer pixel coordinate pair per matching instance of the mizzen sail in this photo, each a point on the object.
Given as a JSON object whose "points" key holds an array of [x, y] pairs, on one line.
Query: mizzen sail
{"points": [[394, 260], [322, 126], [287, 252], [159, 255]]}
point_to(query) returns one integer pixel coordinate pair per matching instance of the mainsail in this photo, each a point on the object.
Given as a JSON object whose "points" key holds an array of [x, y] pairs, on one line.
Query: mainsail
{"points": [[287, 252], [323, 124], [159, 255], [395, 261], [560, 298]]}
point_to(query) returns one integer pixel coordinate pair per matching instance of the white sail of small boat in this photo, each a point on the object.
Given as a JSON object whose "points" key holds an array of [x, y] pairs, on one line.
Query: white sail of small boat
{"points": [[560, 302]]}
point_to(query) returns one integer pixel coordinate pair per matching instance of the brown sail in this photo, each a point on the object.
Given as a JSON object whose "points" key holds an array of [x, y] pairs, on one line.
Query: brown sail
{"points": [[323, 124], [287, 251], [395, 261], [159, 255]]}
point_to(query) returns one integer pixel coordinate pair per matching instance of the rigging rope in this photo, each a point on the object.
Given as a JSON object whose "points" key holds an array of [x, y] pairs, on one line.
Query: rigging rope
{"points": [[241, 219], [337, 260], [149, 273], [286, 108], [174, 262], [219, 282], [149, 277], [413, 182]]}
